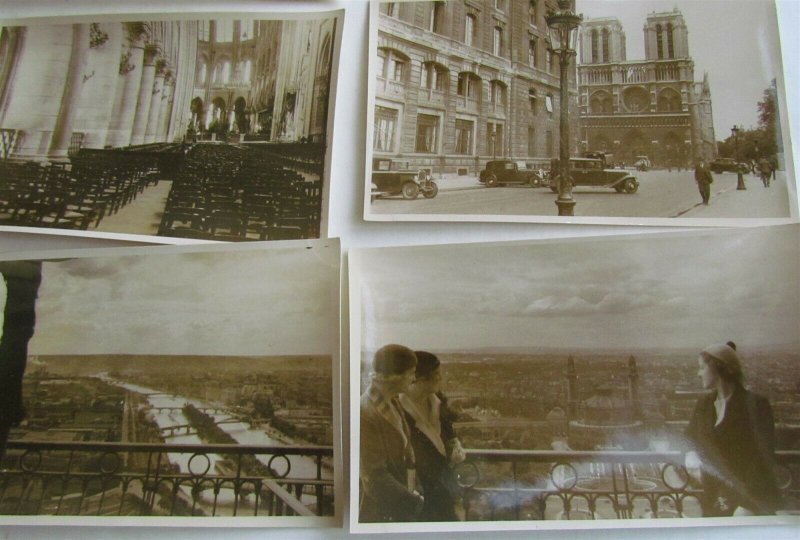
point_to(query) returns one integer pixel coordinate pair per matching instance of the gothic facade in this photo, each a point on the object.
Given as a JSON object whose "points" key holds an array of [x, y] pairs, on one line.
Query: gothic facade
{"points": [[650, 107], [458, 83]]}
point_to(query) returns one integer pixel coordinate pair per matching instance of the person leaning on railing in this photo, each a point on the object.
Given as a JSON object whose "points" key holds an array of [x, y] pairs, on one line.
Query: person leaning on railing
{"points": [[22, 279], [732, 435], [386, 456], [433, 439]]}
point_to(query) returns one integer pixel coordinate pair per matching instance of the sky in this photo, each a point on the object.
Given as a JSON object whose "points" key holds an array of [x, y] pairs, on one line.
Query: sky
{"points": [[734, 41], [239, 303], [614, 293]]}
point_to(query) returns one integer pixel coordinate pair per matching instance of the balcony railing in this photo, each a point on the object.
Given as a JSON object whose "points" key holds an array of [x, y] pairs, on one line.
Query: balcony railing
{"points": [[532, 484], [107, 479]]}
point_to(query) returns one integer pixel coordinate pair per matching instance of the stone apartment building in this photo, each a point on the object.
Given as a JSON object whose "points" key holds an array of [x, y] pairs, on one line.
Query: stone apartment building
{"points": [[460, 82]]}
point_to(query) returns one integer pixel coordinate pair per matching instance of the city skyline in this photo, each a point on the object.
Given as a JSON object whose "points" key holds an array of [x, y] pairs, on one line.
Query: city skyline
{"points": [[668, 292], [735, 90], [239, 303]]}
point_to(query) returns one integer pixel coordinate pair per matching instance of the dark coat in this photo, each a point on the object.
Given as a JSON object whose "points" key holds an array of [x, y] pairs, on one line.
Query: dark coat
{"points": [[433, 471], [737, 455], [385, 457], [703, 176]]}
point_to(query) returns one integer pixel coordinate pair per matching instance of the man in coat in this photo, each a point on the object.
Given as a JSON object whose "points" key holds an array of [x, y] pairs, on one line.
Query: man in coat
{"points": [[704, 179], [386, 457]]}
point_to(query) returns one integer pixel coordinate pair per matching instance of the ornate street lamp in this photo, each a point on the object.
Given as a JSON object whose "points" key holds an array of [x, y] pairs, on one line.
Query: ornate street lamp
{"points": [[562, 25], [739, 176]]}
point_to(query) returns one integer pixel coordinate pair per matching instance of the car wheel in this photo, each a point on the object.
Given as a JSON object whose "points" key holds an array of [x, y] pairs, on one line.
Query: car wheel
{"points": [[491, 181], [410, 191], [630, 186], [431, 191], [534, 181]]}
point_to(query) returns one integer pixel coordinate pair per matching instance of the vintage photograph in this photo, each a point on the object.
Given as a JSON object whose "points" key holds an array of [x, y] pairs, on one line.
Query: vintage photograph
{"points": [[213, 129], [177, 384], [536, 384], [647, 112]]}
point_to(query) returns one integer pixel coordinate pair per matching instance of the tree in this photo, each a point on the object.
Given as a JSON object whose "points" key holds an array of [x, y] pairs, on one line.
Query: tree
{"points": [[769, 121]]}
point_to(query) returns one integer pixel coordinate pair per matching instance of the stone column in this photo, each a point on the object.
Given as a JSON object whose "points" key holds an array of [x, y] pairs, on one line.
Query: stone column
{"points": [[155, 104], [130, 80], [166, 109], [145, 96], [62, 132]]}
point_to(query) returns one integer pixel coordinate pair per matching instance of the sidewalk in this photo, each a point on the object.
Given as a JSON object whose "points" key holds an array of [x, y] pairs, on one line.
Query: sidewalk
{"points": [[756, 202]]}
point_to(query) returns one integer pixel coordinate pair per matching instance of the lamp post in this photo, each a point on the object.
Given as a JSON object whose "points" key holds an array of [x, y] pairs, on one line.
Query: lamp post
{"points": [[739, 176], [562, 25]]}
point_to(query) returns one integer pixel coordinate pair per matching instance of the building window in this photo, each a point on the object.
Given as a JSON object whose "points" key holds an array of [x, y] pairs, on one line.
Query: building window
{"points": [[391, 66], [660, 41], [499, 4], [549, 143], [389, 8], [464, 130], [670, 41], [245, 30], [427, 133], [385, 128], [532, 99], [494, 139], [204, 31], [548, 58], [548, 103], [468, 85], [224, 31], [498, 41], [437, 17], [201, 74], [606, 50], [595, 47], [498, 93], [532, 52], [469, 30], [533, 11], [433, 76], [531, 141]]}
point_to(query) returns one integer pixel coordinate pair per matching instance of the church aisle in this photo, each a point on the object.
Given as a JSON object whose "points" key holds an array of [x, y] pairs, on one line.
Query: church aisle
{"points": [[143, 215]]}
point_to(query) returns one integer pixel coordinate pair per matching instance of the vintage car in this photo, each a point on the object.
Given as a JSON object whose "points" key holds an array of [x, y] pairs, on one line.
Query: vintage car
{"points": [[721, 165], [504, 171], [642, 163], [593, 173], [392, 178]]}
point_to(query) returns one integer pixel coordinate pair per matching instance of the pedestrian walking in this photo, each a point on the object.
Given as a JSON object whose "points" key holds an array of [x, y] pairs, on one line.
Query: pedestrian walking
{"points": [[765, 168], [704, 180]]}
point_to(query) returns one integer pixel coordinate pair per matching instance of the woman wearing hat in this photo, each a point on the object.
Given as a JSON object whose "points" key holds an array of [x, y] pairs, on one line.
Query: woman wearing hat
{"points": [[732, 435], [433, 439]]}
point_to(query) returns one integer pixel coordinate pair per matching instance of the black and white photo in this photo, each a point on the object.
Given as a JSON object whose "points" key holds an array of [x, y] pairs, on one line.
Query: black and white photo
{"points": [[625, 379], [479, 109], [171, 386], [201, 128]]}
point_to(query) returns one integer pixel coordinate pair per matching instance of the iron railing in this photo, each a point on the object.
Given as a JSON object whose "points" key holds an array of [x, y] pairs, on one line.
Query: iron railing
{"points": [[99, 478], [534, 484]]}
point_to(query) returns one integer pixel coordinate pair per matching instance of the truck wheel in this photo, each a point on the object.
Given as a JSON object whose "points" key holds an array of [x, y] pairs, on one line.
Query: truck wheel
{"points": [[410, 191], [491, 181], [431, 191], [630, 186]]}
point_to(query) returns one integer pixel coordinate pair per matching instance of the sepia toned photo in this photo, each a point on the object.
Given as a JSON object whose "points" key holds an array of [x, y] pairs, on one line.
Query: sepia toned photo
{"points": [[159, 386], [645, 381], [648, 113], [212, 129]]}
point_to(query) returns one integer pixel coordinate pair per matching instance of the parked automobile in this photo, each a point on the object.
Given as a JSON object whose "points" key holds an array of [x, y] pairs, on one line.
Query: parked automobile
{"points": [[393, 178], [721, 165], [593, 173], [642, 163], [504, 171]]}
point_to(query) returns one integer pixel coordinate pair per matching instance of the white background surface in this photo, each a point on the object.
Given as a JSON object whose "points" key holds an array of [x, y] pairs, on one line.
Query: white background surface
{"points": [[346, 209]]}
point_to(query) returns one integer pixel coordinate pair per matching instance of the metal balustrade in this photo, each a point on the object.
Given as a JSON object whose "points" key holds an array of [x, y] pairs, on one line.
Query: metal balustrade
{"points": [[106, 479], [533, 484]]}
